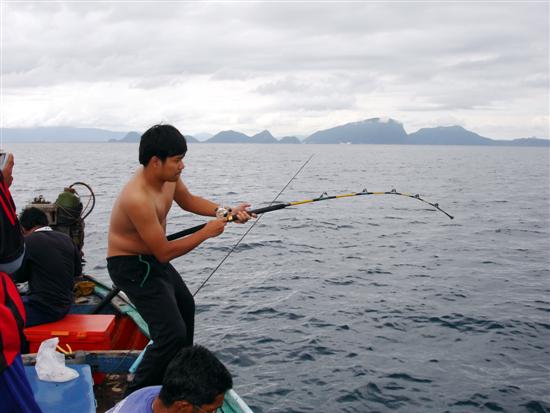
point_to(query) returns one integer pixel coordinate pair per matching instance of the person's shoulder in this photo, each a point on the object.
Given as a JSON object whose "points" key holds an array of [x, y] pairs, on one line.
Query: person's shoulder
{"points": [[146, 391], [60, 236], [47, 234], [34, 237], [48, 237], [135, 192], [138, 402], [36, 241]]}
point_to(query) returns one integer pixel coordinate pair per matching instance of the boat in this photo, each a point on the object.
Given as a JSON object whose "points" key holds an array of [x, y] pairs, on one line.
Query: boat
{"points": [[103, 359]]}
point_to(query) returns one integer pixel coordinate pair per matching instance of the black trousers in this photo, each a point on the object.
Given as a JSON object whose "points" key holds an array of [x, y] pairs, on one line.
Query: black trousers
{"points": [[165, 303]]}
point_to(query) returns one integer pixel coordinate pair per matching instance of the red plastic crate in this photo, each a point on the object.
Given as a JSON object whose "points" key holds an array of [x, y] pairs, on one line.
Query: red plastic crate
{"points": [[80, 331]]}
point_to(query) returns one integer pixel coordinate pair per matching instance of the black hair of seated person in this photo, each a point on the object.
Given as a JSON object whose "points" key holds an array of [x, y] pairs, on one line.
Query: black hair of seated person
{"points": [[194, 375], [32, 217]]}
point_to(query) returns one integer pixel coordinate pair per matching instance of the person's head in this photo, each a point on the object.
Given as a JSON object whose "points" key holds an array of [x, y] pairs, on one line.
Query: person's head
{"points": [[32, 218], [162, 148], [195, 381], [161, 141]]}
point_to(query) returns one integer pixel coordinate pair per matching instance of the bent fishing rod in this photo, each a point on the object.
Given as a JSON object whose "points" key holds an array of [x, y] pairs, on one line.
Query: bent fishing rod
{"points": [[274, 207], [324, 197]]}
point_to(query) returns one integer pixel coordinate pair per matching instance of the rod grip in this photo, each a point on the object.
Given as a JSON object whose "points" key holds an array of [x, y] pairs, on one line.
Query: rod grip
{"points": [[262, 210], [192, 230], [269, 208], [185, 232]]}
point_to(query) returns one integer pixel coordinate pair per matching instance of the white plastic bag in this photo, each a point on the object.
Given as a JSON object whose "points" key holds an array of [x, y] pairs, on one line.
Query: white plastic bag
{"points": [[50, 365]]}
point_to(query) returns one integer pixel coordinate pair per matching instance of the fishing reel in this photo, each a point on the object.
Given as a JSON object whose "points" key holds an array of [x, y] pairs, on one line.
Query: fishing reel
{"points": [[223, 213]]}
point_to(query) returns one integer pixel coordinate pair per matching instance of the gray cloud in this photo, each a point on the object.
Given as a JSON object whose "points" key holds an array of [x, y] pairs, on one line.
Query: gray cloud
{"points": [[403, 58]]}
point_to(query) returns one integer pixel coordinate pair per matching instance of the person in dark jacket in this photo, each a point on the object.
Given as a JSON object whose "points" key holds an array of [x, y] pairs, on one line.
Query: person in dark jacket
{"points": [[50, 265]]}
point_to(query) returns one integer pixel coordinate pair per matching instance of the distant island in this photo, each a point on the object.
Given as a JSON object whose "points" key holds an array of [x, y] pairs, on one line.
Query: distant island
{"points": [[265, 136], [390, 131], [369, 131]]}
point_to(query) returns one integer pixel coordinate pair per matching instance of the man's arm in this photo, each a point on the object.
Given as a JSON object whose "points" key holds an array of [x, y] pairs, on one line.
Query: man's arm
{"points": [[141, 211], [201, 206], [192, 203]]}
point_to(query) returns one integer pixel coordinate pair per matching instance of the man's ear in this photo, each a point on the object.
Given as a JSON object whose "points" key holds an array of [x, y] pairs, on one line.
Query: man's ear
{"points": [[181, 406], [155, 161]]}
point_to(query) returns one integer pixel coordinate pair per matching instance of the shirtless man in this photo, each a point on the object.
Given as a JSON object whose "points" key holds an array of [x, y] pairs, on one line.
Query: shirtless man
{"points": [[138, 253]]}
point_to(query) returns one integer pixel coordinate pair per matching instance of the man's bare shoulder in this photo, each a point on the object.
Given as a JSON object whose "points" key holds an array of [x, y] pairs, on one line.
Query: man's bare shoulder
{"points": [[134, 194]]}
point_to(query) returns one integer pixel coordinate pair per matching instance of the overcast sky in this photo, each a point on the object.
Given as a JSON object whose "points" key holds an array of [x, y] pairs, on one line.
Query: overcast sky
{"points": [[289, 67]]}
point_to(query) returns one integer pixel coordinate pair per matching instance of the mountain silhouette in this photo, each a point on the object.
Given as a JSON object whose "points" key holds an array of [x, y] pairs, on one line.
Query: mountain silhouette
{"points": [[369, 131], [229, 136], [373, 130]]}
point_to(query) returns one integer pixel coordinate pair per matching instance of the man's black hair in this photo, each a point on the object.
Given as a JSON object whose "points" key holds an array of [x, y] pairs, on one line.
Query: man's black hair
{"points": [[195, 375], [161, 141], [33, 217]]}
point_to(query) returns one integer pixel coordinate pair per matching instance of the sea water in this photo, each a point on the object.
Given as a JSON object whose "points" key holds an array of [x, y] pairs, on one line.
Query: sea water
{"points": [[367, 304]]}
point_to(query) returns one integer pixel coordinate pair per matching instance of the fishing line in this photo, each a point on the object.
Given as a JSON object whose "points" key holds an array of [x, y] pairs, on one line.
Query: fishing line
{"points": [[249, 229]]}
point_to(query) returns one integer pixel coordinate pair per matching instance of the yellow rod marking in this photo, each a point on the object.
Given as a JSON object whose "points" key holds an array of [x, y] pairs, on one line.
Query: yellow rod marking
{"points": [[307, 201], [301, 202]]}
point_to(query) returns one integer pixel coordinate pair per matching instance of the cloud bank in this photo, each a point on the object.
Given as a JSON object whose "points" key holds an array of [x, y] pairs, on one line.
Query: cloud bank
{"points": [[292, 68]]}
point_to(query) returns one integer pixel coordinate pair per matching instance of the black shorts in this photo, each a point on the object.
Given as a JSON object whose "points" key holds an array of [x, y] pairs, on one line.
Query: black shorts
{"points": [[165, 303]]}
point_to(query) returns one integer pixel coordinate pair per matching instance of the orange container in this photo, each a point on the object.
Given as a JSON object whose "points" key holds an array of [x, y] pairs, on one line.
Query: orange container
{"points": [[80, 331]]}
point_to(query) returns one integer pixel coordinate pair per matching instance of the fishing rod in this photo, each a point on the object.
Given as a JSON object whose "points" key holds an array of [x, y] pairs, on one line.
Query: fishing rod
{"points": [[324, 197]]}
